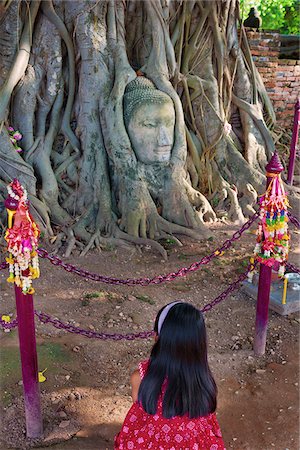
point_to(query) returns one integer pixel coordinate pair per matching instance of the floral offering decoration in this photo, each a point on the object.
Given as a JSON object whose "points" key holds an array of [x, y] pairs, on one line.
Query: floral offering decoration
{"points": [[15, 136], [22, 239], [272, 245]]}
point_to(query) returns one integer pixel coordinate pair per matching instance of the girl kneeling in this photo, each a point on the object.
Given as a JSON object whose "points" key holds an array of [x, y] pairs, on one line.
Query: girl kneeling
{"points": [[174, 392]]}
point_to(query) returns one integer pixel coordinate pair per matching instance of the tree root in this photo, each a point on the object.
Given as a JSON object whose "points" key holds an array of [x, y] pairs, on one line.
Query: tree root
{"points": [[57, 241], [21, 60], [205, 211], [103, 242], [71, 242], [164, 235], [51, 15], [142, 241], [102, 179], [119, 238]]}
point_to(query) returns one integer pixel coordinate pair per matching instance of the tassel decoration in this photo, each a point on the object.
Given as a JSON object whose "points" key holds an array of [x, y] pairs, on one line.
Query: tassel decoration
{"points": [[22, 239], [272, 244]]}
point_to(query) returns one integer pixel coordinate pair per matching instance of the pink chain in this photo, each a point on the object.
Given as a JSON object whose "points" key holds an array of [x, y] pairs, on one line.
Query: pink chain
{"points": [[158, 279], [46, 318], [293, 268], [294, 220], [8, 325]]}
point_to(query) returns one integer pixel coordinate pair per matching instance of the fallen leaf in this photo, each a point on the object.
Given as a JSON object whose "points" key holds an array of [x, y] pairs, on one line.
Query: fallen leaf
{"points": [[42, 378]]}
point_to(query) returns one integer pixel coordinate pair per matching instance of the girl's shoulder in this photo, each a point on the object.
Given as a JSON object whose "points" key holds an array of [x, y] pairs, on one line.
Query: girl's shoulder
{"points": [[143, 367], [136, 378]]}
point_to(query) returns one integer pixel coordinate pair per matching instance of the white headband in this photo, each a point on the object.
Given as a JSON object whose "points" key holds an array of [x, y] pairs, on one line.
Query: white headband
{"points": [[164, 314]]}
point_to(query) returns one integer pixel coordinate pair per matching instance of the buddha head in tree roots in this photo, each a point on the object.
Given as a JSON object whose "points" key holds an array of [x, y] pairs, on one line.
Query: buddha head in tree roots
{"points": [[150, 120]]}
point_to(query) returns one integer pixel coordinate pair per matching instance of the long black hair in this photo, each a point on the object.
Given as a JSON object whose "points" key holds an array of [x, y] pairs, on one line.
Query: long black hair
{"points": [[180, 357]]}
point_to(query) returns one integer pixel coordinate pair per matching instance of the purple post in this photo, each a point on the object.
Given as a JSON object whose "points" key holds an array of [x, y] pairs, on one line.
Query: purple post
{"points": [[25, 314], [264, 284], [294, 143]]}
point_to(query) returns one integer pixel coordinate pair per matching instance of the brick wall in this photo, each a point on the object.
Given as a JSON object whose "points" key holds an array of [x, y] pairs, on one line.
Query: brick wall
{"points": [[281, 77]]}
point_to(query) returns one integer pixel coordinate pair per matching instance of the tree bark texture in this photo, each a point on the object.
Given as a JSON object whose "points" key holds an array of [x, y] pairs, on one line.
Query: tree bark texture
{"points": [[66, 67]]}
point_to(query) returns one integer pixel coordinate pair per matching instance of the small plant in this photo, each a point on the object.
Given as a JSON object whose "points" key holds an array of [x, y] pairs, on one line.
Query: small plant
{"points": [[218, 262], [182, 257], [245, 262], [215, 201], [91, 295], [112, 295], [208, 271], [170, 241], [146, 299], [167, 243]]}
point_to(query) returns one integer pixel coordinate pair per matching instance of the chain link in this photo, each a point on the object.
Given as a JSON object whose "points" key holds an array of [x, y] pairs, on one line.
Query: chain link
{"points": [[294, 220], [231, 288], [158, 279], [8, 325], [3, 265], [47, 319], [55, 260], [293, 268]]}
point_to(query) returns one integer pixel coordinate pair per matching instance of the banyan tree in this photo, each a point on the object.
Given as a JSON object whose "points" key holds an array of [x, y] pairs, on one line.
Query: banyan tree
{"points": [[140, 120]]}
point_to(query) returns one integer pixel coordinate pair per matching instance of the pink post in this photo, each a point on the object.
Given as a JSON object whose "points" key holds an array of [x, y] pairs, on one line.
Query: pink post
{"points": [[264, 284], [294, 143], [25, 314], [22, 233]]}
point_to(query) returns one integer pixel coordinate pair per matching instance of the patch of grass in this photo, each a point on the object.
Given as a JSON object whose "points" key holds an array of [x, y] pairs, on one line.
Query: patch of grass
{"points": [[182, 257], [245, 262], [97, 294], [91, 295], [112, 295], [215, 201], [145, 299], [51, 352], [50, 355], [220, 262], [108, 247], [167, 243], [170, 241], [11, 335], [10, 367]]}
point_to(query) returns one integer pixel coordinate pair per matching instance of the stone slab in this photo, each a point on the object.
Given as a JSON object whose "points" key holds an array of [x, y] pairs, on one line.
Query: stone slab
{"points": [[292, 299]]}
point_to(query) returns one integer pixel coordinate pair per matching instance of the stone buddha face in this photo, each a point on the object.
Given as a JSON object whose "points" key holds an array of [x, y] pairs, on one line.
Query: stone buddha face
{"points": [[150, 120]]}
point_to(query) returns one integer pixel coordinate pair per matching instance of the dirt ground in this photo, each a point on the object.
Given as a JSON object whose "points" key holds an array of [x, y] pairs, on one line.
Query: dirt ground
{"points": [[87, 394]]}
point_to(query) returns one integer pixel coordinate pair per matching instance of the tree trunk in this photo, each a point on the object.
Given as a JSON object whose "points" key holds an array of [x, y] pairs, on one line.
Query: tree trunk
{"points": [[140, 119]]}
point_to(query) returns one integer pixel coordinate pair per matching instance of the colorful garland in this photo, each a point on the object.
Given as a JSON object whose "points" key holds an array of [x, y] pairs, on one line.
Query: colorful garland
{"points": [[22, 239], [272, 245]]}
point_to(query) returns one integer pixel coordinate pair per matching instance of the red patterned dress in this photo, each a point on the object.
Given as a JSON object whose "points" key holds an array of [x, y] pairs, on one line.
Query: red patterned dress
{"points": [[143, 431]]}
